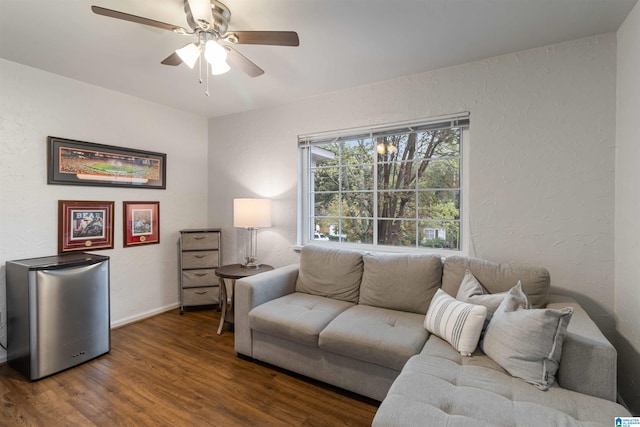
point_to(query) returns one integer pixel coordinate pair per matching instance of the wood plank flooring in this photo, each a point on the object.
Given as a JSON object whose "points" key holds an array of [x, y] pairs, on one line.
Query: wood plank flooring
{"points": [[173, 370]]}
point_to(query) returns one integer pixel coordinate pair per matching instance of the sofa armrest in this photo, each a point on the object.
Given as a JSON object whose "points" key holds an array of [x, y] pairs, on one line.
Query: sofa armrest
{"points": [[252, 291], [589, 360]]}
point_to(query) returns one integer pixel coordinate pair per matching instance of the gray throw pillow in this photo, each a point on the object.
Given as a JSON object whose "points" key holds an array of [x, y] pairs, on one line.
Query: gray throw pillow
{"points": [[472, 291], [526, 342]]}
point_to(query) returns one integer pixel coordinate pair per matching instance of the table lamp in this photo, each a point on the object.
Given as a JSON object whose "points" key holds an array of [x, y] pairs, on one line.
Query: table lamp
{"points": [[252, 214]]}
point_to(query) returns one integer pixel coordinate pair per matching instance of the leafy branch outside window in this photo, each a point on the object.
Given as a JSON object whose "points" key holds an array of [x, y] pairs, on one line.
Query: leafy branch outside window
{"points": [[399, 189]]}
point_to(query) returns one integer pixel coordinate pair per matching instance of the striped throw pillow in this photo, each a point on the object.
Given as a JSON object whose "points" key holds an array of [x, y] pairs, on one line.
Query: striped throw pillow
{"points": [[457, 322]]}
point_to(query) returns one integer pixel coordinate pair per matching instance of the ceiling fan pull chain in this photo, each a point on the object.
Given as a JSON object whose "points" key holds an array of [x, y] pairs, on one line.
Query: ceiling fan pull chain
{"points": [[207, 91], [200, 68]]}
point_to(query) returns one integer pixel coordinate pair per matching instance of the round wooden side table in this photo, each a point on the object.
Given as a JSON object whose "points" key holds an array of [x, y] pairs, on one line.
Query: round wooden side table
{"points": [[233, 272]]}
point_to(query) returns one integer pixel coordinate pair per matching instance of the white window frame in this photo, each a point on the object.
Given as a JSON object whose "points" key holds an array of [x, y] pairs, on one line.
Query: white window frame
{"points": [[305, 142]]}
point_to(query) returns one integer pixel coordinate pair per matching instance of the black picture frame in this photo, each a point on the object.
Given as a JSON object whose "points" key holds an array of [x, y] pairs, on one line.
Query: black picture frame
{"points": [[71, 162]]}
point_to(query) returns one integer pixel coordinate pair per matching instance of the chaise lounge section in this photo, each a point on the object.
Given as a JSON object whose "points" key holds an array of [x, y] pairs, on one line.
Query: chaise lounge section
{"points": [[356, 320]]}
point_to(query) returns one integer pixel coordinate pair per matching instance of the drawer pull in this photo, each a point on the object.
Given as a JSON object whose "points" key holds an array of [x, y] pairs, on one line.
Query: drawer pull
{"points": [[201, 274], [198, 237], [200, 256], [201, 292]]}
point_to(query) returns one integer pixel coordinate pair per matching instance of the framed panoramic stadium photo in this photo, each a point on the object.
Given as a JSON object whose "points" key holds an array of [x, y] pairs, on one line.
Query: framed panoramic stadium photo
{"points": [[84, 163]]}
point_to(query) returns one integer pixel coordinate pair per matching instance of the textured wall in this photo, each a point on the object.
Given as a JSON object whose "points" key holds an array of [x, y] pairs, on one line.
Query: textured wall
{"points": [[35, 104], [627, 267], [541, 158]]}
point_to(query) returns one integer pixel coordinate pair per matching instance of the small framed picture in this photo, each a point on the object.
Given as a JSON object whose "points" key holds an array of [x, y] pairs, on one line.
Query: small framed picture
{"points": [[141, 223], [84, 225]]}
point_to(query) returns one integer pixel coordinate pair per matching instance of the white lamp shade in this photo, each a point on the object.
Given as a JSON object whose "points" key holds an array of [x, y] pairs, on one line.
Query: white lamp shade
{"points": [[214, 53], [220, 67], [251, 213], [189, 54]]}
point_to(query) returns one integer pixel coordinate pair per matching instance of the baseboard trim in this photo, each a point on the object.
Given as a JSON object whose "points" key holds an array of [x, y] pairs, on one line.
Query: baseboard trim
{"points": [[145, 315], [119, 323]]}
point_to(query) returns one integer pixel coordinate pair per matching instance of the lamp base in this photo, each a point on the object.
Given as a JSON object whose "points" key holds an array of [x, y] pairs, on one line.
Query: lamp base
{"points": [[250, 265], [251, 262]]}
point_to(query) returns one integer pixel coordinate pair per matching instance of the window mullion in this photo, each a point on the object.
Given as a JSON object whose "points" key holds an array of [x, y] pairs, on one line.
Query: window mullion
{"points": [[340, 172], [416, 207], [311, 199], [374, 156]]}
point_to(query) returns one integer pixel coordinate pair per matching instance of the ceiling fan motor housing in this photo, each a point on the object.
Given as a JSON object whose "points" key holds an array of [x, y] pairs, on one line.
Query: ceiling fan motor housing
{"points": [[221, 17]]}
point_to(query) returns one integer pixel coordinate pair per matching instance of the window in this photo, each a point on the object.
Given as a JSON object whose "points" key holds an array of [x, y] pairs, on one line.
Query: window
{"points": [[396, 185]]}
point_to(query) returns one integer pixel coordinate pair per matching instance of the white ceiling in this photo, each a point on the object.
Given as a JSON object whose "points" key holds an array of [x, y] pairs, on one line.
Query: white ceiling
{"points": [[343, 43]]}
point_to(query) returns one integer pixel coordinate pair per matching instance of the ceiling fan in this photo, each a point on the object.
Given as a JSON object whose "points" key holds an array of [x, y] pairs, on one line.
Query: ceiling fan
{"points": [[209, 22]]}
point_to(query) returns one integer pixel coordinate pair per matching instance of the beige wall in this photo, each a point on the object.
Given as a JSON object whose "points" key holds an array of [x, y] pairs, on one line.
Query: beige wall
{"points": [[541, 158], [627, 208], [35, 104]]}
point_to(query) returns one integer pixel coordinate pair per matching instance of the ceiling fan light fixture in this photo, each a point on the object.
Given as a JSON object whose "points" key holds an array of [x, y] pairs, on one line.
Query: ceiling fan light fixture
{"points": [[214, 53], [216, 56], [219, 67], [189, 54]]}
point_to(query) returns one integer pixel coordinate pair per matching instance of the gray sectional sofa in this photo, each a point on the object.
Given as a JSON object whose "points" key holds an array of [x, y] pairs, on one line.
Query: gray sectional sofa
{"points": [[356, 320]]}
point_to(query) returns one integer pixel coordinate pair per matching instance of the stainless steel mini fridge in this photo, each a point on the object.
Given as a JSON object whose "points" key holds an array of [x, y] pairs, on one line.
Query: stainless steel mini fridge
{"points": [[57, 312]]}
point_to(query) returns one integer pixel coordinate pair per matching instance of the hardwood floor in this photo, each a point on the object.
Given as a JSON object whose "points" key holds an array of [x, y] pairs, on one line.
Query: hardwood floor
{"points": [[173, 370]]}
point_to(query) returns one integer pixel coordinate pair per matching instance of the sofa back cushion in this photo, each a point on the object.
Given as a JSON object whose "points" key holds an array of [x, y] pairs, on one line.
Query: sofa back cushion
{"points": [[498, 278], [330, 272], [405, 282]]}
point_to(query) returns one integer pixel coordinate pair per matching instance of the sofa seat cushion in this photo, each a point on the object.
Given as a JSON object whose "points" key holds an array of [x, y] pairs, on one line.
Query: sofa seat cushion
{"points": [[297, 317], [376, 335], [440, 387]]}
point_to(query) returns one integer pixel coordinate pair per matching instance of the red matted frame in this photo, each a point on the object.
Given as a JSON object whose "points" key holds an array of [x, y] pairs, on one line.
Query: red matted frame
{"points": [[141, 223], [84, 225]]}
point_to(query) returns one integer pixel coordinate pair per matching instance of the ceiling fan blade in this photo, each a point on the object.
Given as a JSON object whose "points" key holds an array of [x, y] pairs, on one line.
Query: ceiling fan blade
{"points": [[173, 59], [137, 19], [276, 38], [199, 14], [236, 59]]}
